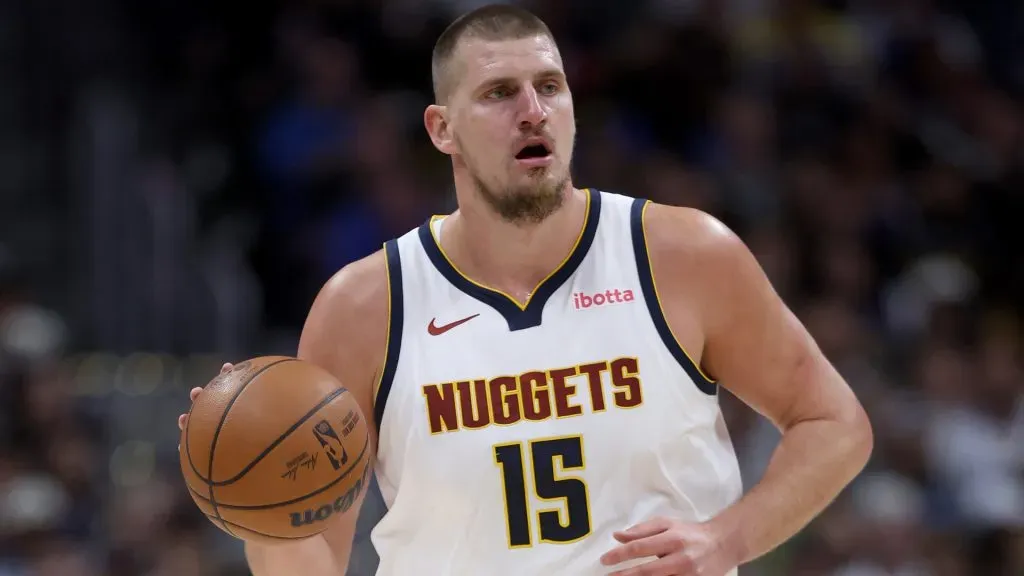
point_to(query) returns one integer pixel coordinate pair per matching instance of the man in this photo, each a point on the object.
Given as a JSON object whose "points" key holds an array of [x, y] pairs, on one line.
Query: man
{"points": [[538, 365]]}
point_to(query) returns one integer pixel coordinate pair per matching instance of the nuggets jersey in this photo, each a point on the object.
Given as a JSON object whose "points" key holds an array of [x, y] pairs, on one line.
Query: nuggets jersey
{"points": [[516, 439]]}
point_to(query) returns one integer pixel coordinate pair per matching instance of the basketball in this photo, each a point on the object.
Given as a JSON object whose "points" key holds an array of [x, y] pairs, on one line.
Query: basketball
{"points": [[273, 449]]}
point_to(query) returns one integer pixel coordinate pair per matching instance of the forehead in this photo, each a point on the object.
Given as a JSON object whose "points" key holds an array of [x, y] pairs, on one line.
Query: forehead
{"points": [[483, 60]]}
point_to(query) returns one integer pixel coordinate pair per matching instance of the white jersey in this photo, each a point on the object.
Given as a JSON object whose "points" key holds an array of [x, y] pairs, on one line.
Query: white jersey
{"points": [[516, 439]]}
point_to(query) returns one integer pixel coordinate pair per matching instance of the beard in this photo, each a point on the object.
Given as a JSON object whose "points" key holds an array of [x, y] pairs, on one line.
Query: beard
{"points": [[528, 204]]}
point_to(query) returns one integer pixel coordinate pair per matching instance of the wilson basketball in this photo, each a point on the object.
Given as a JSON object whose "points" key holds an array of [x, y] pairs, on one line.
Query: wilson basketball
{"points": [[273, 449]]}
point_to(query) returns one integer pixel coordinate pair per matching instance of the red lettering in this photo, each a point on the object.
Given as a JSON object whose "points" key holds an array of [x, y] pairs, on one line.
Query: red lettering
{"points": [[441, 411], [625, 376], [536, 399], [563, 391], [473, 403], [505, 400], [593, 372]]}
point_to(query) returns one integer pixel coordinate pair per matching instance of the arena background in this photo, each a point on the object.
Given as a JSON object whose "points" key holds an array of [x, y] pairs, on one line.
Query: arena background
{"points": [[177, 178]]}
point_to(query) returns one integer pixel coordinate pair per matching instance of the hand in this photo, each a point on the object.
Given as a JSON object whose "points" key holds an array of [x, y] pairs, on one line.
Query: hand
{"points": [[682, 549], [193, 394]]}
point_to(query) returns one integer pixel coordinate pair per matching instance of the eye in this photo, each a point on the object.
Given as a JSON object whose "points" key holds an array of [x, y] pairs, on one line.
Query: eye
{"points": [[498, 94], [549, 88]]}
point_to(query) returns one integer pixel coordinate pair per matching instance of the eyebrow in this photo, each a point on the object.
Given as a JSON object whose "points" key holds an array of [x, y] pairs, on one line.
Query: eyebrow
{"points": [[543, 74]]}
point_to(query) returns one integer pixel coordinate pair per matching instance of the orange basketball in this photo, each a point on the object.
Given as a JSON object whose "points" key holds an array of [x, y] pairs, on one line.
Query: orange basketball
{"points": [[274, 448]]}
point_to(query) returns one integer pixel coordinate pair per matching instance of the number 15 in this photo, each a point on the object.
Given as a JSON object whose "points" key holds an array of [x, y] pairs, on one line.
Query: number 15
{"points": [[557, 525]]}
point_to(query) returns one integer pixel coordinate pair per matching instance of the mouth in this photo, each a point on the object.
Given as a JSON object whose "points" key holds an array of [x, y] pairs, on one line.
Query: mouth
{"points": [[535, 154]]}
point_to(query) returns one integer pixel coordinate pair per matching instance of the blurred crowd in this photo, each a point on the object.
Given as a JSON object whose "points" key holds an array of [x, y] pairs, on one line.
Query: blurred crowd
{"points": [[870, 152]]}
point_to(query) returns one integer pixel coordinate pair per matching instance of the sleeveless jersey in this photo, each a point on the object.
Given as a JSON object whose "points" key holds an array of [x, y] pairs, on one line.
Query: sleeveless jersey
{"points": [[516, 439]]}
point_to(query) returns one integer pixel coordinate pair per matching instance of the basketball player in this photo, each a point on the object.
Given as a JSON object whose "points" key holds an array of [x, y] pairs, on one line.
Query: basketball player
{"points": [[542, 366]]}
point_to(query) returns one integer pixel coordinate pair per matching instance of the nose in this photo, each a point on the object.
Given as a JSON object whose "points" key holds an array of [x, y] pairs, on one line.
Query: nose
{"points": [[532, 113]]}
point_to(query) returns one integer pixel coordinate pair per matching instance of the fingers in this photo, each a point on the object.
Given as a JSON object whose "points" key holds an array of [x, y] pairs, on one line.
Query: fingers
{"points": [[182, 421], [643, 530], [194, 393], [659, 567], [658, 545]]}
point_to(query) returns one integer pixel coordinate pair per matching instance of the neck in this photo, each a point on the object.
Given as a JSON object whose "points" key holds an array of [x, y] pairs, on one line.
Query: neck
{"points": [[511, 257]]}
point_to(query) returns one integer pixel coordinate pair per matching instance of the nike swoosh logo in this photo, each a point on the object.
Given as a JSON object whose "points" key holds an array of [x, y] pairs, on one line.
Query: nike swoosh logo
{"points": [[436, 330]]}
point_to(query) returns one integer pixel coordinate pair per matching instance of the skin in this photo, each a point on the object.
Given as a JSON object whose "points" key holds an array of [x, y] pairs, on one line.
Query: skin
{"points": [[717, 300]]}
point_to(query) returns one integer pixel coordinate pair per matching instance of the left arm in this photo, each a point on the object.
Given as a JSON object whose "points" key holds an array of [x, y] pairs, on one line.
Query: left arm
{"points": [[760, 351], [754, 345]]}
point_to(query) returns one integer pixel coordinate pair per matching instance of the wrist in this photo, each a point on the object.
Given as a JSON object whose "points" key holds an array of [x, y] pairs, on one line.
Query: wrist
{"points": [[728, 532]]}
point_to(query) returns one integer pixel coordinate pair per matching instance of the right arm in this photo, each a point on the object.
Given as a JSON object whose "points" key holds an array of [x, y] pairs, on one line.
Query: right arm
{"points": [[346, 334]]}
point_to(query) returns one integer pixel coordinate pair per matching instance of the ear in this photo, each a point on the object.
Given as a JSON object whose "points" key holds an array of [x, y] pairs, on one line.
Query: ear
{"points": [[435, 118]]}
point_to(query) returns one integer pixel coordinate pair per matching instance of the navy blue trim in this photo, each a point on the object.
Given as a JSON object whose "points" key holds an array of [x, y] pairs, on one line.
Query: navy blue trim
{"points": [[518, 318], [643, 268], [395, 322]]}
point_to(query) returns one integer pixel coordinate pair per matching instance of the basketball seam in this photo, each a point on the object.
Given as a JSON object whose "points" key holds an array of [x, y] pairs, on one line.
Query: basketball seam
{"points": [[358, 459], [324, 402], [220, 425], [222, 522], [225, 523]]}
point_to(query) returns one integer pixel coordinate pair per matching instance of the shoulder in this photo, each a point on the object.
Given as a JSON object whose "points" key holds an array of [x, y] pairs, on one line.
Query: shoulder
{"points": [[357, 294], [690, 236], [346, 329], [705, 267]]}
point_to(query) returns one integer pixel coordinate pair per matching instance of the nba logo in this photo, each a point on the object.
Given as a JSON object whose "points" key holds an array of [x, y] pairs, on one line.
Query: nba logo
{"points": [[331, 443]]}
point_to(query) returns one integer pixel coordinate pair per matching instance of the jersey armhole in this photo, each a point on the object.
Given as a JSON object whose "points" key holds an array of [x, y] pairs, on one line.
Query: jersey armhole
{"points": [[650, 291], [396, 313]]}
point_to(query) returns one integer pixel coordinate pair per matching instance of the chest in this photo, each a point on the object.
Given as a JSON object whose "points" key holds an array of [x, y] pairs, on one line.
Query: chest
{"points": [[469, 371], [498, 423], [480, 403]]}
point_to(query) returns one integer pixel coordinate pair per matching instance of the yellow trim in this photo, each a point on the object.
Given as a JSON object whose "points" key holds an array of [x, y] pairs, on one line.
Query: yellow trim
{"points": [[525, 305], [387, 338], [657, 296]]}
